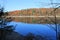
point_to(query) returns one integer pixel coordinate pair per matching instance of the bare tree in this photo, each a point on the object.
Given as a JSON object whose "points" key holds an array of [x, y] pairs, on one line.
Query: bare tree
{"points": [[55, 20]]}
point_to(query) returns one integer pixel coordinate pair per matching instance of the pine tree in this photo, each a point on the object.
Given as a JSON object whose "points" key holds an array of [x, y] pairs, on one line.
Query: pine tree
{"points": [[4, 28]]}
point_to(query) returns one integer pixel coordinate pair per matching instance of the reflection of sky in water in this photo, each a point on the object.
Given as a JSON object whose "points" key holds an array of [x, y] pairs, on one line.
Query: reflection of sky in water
{"points": [[41, 29]]}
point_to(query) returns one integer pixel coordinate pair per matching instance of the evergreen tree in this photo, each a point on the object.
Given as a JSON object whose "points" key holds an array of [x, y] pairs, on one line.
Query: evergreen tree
{"points": [[4, 28]]}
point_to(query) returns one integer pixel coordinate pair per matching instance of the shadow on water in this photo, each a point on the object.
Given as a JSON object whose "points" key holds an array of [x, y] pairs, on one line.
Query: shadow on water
{"points": [[34, 31]]}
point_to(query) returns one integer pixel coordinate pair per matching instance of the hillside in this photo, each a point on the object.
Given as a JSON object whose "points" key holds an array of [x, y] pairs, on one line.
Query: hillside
{"points": [[34, 12]]}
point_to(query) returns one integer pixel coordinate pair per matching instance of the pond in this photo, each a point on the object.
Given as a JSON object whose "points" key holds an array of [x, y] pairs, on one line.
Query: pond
{"points": [[37, 29]]}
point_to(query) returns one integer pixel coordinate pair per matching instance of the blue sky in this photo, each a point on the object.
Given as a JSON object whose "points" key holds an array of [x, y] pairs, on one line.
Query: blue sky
{"points": [[11, 5]]}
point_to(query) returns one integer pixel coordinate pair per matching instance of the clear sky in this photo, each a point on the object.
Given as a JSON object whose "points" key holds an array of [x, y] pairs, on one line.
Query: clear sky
{"points": [[11, 5]]}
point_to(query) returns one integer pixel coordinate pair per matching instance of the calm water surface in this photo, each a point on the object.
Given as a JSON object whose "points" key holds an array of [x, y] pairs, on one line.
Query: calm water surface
{"points": [[37, 29]]}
